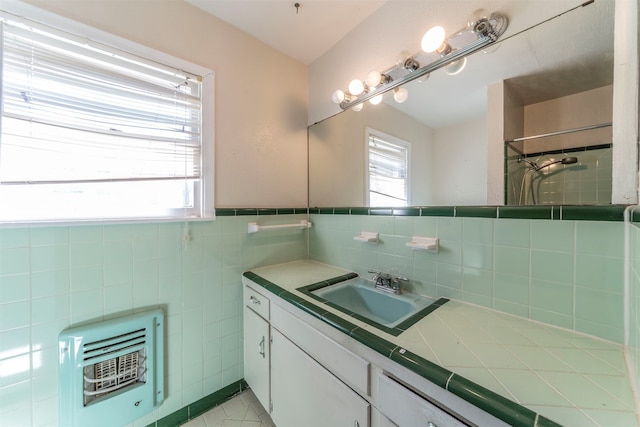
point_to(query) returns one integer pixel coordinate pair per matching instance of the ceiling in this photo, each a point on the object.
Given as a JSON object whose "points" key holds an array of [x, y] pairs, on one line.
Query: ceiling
{"points": [[556, 56], [293, 30]]}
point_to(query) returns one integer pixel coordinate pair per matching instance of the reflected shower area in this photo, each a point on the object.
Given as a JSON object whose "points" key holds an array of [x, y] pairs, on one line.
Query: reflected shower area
{"points": [[557, 149], [553, 169]]}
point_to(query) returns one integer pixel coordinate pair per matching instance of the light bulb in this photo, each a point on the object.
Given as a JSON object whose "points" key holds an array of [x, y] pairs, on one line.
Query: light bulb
{"points": [[357, 107], [376, 99], [433, 39], [337, 96], [400, 94], [456, 66], [373, 78], [356, 87]]}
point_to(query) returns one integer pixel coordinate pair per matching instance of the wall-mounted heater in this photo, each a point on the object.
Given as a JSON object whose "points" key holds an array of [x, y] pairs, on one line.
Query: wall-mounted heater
{"points": [[111, 372]]}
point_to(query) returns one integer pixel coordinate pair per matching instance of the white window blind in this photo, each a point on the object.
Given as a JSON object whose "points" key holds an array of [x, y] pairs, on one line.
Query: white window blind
{"points": [[92, 132], [388, 171]]}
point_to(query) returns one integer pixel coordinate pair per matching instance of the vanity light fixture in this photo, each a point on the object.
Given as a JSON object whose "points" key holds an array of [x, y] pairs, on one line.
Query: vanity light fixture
{"points": [[438, 51], [400, 94]]}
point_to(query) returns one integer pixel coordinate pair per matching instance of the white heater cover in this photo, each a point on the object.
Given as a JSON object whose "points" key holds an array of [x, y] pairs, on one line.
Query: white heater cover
{"points": [[111, 372]]}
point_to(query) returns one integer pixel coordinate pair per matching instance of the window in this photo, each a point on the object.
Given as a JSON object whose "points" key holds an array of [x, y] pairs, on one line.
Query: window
{"points": [[388, 171], [89, 131]]}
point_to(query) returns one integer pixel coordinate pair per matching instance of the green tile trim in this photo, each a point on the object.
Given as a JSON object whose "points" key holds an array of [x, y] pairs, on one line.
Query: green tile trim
{"points": [[342, 211], [406, 211], [490, 402], [380, 211], [546, 422], [246, 211], [225, 212], [176, 418], [264, 211], [421, 366], [438, 211], [593, 213], [373, 341], [525, 212], [359, 211], [498, 406], [259, 211], [477, 211], [201, 406], [559, 212]]}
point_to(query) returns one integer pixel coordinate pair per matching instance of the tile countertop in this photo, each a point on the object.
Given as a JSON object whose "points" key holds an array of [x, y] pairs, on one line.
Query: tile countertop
{"points": [[570, 378]]}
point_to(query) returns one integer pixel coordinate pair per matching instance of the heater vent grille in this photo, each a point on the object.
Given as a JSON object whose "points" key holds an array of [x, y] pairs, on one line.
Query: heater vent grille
{"points": [[111, 370]]}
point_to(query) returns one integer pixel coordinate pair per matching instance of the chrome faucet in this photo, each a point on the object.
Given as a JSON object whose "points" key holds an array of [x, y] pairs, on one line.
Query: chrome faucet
{"points": [[387, 282]]}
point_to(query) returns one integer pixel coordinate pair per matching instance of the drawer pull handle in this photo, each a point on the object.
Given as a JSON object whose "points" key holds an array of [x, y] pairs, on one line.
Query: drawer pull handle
{"points": [[254, 300], [430, 424], [356, 423], [261, 348]]}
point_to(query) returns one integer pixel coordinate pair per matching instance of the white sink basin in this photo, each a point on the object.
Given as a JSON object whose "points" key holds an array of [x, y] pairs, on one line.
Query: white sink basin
{"points": [[361, 297]]}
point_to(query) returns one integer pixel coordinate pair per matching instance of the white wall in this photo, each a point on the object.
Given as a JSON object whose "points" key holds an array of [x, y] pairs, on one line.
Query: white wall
{"points": [[337, 166], [260, 99], [459, 165]]}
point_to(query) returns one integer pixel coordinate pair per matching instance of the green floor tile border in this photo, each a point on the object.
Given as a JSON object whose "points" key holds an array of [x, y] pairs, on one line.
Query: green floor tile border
{"points": [[201, 406], [500, 407], [395, 331], [550, 212]]}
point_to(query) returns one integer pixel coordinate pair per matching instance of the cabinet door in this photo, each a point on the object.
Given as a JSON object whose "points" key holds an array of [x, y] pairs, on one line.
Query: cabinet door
{"points": [[305, 394], [257, 355]]}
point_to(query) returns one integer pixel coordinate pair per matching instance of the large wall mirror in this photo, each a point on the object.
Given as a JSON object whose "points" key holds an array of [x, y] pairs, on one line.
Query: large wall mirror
{"points": [[557, 75]]}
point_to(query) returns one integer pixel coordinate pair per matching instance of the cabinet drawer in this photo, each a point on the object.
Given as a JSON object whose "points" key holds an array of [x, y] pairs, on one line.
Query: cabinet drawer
{"points": [[256, 302], [346, 365], [405, 407]]}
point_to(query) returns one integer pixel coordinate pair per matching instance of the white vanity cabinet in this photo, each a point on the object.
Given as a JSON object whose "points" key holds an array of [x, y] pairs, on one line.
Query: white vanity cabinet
{"points": [[304, 393], [295, 388], [307, 374], [257, 338]]}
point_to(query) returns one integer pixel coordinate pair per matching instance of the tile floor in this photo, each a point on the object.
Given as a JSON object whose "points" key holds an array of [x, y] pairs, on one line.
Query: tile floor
{"points": [[243, 410]]}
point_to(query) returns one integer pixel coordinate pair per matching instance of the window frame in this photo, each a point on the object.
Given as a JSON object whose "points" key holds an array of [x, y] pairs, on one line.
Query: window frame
{"points": [[205, 186], [391, 140]]}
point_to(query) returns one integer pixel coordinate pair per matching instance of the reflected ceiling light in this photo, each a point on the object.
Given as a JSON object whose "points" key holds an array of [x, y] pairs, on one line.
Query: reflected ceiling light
{"points": [[456, 66], [375, 78], [357, 107], [356, 87], [337, 96], [400, 94], [376, 99], [450, 54], [433, 39]]}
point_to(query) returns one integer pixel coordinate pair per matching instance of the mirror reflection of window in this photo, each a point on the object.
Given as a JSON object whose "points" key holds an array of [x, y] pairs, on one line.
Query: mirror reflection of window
{"points": [[388, 170]]}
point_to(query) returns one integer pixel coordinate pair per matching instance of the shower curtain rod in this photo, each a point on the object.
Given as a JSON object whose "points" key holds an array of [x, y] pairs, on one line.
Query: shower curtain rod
{"points": [[560, 132]]}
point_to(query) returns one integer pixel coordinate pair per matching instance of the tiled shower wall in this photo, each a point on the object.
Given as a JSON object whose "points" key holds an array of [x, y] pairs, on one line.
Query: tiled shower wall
{"points": [[53, 277], [567, 273], [633, 272]]}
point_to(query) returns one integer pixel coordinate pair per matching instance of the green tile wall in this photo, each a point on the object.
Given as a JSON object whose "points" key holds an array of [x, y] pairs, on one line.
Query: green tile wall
{"points": [[568, 273], [634, 295], [52, 277]]}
